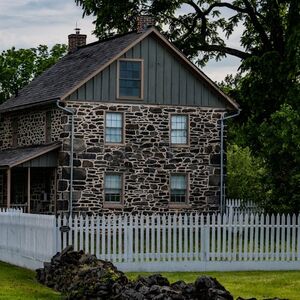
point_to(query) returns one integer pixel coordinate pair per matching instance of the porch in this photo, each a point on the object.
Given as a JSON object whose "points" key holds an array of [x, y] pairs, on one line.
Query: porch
{"points": [[28, 178]]}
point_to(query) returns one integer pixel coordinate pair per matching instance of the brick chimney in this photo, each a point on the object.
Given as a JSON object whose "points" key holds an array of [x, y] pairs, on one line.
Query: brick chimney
{"points": [[144, 22], [76, 40]]}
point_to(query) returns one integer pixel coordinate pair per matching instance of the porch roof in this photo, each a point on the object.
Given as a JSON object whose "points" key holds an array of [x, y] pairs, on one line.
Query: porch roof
{"points": [[13, 157]]}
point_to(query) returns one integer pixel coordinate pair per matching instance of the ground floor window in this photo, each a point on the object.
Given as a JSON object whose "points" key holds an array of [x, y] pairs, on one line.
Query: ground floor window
{"points": [[113, 188], [178, 188]]}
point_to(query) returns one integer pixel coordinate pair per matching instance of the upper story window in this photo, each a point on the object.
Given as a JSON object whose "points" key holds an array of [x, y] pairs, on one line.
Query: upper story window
{"points": [[130, 81], [179, 129], [113, 188], [179, 189], [114, 128]]}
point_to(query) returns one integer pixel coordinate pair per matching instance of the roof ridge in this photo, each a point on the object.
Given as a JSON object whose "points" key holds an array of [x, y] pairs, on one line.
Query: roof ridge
{"points": [[109, 38]]}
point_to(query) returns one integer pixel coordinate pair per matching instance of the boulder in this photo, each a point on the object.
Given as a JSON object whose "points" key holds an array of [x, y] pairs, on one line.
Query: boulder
{"points": [[82, 276]]}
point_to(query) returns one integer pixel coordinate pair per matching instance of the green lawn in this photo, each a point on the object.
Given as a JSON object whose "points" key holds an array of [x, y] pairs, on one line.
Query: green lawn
{"points": [[20, 284], [283, 284], [17, 283]]}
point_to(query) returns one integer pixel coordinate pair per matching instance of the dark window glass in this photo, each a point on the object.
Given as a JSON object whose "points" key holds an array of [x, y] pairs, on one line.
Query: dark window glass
{"points": [[179, 129], [130, 79], [178, 188], [114, 128], [113, 188]]}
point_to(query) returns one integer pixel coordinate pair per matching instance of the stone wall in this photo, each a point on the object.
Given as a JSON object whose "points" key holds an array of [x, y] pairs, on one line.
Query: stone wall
{"points": [[32, 131], [146, 159], [31, 127]]}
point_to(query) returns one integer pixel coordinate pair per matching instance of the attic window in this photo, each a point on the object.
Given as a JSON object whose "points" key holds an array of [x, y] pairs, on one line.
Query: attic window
{"points": [[130, 79]]}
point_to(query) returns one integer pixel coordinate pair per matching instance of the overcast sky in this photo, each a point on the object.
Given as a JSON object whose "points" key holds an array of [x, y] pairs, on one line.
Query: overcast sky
{"points": [[29, 23]]}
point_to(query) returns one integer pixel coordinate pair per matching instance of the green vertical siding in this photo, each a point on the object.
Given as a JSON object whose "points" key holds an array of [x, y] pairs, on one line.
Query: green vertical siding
{"points": [[166, 80]]}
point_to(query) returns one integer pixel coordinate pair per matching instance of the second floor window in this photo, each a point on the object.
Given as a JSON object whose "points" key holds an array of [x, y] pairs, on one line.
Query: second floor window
{"points": [[113, 188], [130, 79], [179, 129], [114, 128]]}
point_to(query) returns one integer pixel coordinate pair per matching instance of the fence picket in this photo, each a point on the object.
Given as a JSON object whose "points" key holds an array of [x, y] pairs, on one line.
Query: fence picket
{"points": [[288, 235], [282, 238], [277, 236], [261, 243], [213, 237], [98, 236], [294, 237], [267, 241], [159, 239], [142, 228]]}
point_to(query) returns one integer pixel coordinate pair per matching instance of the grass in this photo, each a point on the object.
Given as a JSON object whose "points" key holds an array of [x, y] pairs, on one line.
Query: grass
{"points": [[17, 283], [259, 284], [20, 284]]}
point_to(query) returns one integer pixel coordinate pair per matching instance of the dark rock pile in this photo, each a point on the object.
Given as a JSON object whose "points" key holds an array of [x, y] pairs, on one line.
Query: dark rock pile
{"points": [[82, 276]]}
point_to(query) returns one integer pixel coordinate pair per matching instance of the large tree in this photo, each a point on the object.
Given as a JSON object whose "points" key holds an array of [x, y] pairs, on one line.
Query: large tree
{"points": [[19, 67], [267, 86]]}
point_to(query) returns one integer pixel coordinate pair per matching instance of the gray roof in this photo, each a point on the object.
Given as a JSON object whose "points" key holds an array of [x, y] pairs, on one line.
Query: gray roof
{"points": [[13, 157], [68, 72]]}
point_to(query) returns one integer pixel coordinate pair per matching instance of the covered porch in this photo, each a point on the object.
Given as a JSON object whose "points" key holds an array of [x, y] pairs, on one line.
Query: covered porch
{"points": [[28, 178]]}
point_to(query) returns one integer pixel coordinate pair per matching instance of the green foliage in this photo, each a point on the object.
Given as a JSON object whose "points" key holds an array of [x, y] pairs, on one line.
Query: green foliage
{"points": [[244, 174], [19, 67], [280, 139]]}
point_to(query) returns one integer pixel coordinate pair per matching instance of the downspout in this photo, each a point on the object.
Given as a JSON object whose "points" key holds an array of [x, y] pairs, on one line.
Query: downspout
{"points": [[222, 186], [71, 113]]}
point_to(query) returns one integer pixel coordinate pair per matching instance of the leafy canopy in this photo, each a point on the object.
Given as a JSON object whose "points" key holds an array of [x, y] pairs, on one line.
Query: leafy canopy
{"points": [[19, 67]]}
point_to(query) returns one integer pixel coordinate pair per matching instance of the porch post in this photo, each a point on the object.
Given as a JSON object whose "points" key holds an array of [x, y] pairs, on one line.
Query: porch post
{"points": [[8, 187], [28, 189]]}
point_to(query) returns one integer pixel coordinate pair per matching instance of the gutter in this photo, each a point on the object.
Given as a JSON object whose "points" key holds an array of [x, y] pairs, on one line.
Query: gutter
{"points": [[70, 112], [222, 185]]}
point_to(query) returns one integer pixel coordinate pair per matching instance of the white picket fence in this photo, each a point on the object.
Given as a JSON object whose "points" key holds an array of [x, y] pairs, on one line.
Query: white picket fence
{"points": [[240, 206], [189, 242], [27, 240]]}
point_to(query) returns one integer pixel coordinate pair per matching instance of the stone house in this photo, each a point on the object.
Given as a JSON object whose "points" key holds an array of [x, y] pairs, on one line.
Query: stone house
{"points": [[124, 124]]}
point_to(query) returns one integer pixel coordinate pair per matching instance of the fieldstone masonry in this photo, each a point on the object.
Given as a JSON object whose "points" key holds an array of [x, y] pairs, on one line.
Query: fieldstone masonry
{"points": [[146, 159], [32, 131], [31, 127]]}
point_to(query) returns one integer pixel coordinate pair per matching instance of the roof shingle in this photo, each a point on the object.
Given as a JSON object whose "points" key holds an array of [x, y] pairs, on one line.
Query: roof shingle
{"points": [[68, 72]]}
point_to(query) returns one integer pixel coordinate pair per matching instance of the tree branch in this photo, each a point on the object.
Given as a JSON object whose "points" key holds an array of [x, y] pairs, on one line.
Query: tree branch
{"points": [[251, 12], [224, 49], [228, 5]]}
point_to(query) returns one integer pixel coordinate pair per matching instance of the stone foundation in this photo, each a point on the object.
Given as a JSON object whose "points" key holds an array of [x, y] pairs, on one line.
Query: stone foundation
{"points": [[146, 159]]}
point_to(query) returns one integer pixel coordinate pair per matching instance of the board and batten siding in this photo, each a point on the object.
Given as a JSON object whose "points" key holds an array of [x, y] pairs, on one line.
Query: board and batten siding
{"points": [[166, 80]]}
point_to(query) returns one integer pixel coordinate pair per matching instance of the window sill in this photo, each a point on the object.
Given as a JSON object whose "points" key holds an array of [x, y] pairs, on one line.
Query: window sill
{"points": [[114, 144], [179, 205], [130, 98], [113, 205], [180, 145]]}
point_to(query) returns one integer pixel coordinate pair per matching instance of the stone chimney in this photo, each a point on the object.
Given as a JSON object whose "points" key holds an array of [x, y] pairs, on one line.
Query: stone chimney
{"points": [[76, 40], [144, 22]]}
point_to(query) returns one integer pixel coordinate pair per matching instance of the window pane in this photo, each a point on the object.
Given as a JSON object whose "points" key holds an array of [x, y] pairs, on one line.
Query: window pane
{"points": [[179, 137], [130, 79], [179, 122], [178, 182], [178, 188], [179, 129], [114, 128], [113, 188]]}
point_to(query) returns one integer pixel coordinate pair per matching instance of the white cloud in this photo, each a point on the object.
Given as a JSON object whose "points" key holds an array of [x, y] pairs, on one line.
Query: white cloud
{"points": [[29, 23]]}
